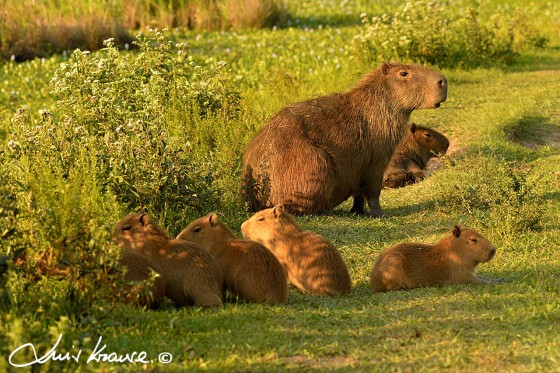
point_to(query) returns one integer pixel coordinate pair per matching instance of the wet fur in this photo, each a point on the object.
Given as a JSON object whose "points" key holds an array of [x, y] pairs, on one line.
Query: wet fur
{"points": [[314, 155], [312, 263]]}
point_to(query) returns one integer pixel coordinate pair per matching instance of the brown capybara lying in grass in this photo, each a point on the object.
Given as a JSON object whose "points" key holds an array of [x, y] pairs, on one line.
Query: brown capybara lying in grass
{"points": [[250, 271], [190, 274], [452, 260], [312, 263], [138, 268], [410, 159], [313, 155], [412, 156]]}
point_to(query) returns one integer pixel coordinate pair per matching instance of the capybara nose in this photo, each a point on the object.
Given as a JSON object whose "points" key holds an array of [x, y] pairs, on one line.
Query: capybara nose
{"points": [[492, 253]]}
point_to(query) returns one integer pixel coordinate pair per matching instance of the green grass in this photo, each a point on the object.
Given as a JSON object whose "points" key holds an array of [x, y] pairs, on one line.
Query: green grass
{"points": [[506, 117]]}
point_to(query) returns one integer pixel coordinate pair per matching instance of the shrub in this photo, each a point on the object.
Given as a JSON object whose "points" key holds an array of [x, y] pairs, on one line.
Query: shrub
{"points": [[139, 118], [123, 138], [432, 33]]}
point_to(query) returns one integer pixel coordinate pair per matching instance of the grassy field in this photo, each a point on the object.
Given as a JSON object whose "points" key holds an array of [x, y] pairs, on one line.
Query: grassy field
{"points": [[500, 177]]}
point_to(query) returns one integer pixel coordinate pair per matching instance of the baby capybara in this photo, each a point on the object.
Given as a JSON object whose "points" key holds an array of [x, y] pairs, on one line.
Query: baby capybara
{"points": [[313, 155], [452, 260], [250, 271], [190, 274], [312, 263], [139, 268]]}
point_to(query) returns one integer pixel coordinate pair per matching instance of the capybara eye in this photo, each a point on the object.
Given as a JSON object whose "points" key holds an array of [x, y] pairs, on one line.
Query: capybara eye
{"points": [[197, 229], [428, 134], [126, 228], [403, 73], [261, 218], [473, 240]]}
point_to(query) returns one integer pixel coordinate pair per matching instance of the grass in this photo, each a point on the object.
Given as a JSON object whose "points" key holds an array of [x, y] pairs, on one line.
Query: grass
{"points": [[504, 116]]}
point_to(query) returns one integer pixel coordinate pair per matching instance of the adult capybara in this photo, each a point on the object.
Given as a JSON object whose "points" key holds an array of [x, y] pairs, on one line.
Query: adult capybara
{"points": [[314, 155], [412, 156], [250, 271], [450, 261], [190, 274], [139, 268], [312, 263], [410, 160]]}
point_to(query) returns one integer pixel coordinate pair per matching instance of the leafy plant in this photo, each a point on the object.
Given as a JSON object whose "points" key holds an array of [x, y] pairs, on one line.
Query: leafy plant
{"points": [[432, 33]]}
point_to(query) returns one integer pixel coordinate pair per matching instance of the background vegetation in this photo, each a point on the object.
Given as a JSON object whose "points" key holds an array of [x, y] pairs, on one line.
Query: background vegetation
{"points": [[87, 137]]}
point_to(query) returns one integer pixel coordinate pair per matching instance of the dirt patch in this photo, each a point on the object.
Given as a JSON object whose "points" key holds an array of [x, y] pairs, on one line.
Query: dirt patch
{"points": [[534, 131], [542, 136]]}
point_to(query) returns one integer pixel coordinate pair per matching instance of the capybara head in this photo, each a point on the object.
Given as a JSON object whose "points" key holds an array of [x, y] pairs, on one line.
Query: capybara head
{"points": [[206, 231], [415, 86], [433, 142], [472, 244], [135, 229], [265, 225]]}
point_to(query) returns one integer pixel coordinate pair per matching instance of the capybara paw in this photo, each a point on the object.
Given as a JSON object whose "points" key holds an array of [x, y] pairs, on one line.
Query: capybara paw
{"points": [[376, 213]]}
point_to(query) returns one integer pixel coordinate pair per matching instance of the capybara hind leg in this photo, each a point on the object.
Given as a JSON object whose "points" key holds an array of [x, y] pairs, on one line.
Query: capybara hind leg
{"points": [[359, 205]]}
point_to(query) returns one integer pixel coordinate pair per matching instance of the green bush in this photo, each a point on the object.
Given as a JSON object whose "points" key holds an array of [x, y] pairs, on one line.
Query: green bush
{"points": [[123, 137], [433, 33], [139, 118]]}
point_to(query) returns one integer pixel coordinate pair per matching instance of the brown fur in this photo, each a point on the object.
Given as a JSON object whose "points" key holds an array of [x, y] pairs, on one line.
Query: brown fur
{"points": [[138, 268], [250, 270], [312, 263], [412, 156], [410, 160], [314, 155], [452, 260], [190, 274]]}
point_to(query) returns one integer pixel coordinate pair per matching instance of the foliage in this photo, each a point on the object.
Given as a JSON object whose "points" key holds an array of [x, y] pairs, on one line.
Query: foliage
{"points": [[67, 202], [438, 34], [499, 195], [142, 142]]}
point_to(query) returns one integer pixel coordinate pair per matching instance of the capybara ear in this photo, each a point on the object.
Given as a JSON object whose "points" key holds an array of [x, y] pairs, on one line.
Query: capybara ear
{"points": [[413, 128], [456, 231], [385, 67], [213, 219], [278, 210], [145, 219]]}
